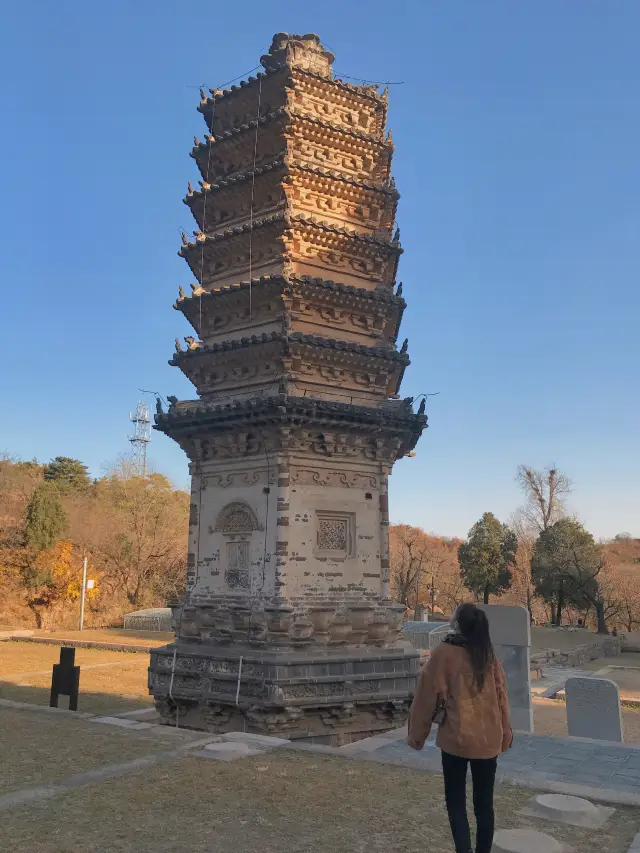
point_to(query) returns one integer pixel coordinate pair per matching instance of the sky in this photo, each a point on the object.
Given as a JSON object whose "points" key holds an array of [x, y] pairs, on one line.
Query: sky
{"points": [[517, 133]]}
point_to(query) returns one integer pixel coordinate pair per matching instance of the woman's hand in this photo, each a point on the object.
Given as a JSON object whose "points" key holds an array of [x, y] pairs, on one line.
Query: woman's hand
{"points": [[507, 741], [414, 744]]}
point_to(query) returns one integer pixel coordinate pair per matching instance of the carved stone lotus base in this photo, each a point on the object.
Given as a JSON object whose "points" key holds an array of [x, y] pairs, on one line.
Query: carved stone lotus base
{"points": [[330, 695]]}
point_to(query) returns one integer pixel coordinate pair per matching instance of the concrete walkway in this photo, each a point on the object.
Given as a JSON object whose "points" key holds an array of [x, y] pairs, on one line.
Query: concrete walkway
{"points": [[595, 769]]}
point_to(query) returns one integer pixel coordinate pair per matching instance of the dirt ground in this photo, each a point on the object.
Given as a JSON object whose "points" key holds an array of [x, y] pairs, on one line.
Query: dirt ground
{"points": [[280, 802]]}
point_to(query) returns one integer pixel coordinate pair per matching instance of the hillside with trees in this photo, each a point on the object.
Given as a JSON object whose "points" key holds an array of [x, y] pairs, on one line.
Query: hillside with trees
{"points": [[133, 530]]}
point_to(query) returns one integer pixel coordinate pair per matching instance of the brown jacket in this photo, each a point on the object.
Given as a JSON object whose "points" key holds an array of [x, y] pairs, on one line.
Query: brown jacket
{"points": [[477, 723]]}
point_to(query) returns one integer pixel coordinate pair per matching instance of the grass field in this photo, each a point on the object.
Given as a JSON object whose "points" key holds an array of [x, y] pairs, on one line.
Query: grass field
{"points": [[279, 802]]}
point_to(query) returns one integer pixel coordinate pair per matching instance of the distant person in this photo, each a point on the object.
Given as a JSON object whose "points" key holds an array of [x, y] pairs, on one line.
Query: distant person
{"points": [[464, 690], [614, 633], [580, 625]]}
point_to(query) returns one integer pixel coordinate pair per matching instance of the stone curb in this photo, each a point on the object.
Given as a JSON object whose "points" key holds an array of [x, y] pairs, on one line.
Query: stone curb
{"points": [[635, 844], [81, 644]]}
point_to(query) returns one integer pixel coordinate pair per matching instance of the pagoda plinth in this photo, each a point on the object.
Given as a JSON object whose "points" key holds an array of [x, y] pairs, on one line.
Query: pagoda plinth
{"points": [[287, 627]]}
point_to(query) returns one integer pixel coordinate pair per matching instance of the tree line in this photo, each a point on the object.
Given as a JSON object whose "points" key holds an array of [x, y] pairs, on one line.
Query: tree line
{"points": [[132, 529], [544, 559]]}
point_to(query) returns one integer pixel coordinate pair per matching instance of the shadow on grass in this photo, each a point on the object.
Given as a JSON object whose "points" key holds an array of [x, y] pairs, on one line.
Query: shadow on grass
{"points": [[88, 702]]}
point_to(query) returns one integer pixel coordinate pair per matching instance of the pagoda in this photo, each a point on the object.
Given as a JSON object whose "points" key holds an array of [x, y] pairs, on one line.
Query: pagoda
{"points": [[287, 626]]}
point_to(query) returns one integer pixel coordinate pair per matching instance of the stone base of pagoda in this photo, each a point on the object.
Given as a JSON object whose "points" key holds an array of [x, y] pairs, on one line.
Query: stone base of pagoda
{"points": [[333, 696]]}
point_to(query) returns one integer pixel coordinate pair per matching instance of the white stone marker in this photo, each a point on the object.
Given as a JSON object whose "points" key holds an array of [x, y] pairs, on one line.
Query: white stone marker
{"points": [[510, 631], [593, 709], [525, 841]]}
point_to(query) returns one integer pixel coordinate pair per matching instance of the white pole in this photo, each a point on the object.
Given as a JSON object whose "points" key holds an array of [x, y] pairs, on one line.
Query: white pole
{"points": [[84, 589]]}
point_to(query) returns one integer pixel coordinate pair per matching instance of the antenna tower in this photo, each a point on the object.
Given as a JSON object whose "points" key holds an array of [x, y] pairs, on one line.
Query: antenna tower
{"points": [[141, 437]]}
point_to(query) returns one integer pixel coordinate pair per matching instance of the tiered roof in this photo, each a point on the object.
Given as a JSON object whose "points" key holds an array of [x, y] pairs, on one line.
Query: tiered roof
{"points": [[296, 252]]}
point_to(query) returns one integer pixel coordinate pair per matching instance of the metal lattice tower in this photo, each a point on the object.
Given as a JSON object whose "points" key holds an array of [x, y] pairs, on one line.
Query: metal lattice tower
{"points": [[141, 437]]}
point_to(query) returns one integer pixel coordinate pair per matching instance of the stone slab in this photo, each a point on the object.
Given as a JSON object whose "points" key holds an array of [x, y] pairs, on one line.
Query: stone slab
{"points": [[141, 712], [635, 844], [258, 741], [562, 808], [228, 751], [593, 709], [509, 624], [511, 637], [118, 721], [525, 841]]}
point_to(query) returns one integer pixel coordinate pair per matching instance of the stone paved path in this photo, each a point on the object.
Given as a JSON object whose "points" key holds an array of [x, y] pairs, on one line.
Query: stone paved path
{"points": [[534, 760], [554, 680]]}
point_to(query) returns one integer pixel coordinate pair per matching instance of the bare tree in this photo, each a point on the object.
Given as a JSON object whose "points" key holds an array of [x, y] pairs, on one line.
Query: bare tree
{"points": [[545, 492], [416, 556], [522, 588]]}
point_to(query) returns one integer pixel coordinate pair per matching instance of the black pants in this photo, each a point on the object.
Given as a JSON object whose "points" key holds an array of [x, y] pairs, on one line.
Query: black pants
{"points": [[483, 775]]}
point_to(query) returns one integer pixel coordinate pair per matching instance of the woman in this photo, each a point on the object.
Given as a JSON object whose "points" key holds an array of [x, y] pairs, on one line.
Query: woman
{"points": [[463, 689]]}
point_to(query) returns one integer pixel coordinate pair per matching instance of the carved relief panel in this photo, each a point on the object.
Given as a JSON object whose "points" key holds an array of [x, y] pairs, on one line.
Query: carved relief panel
{"points": [[335, 534], [237, 522]]}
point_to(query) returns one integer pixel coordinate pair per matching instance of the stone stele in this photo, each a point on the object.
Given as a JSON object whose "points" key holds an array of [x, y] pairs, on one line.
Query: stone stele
{"points": [[593, 709], [287, 627], [510, 630]]}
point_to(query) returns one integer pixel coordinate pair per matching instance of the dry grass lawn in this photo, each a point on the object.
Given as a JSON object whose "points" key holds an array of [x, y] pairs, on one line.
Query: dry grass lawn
{"points": [[281, 802], [16, 658], [110, 682], [37, 749]]}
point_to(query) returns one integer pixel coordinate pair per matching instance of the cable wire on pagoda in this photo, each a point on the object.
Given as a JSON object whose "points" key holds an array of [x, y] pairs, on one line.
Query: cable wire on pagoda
{"points": [[204, 207], [222, 85], [253, 186]]}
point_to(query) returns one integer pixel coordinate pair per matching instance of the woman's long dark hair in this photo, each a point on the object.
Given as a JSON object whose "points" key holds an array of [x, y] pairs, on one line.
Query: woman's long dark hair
{"points": [[473, 625]]}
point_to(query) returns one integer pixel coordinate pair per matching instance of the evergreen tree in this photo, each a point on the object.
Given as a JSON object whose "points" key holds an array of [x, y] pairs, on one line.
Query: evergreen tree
{"points": [[46, 519], [67, 473], [487, 556], [565, 568]]}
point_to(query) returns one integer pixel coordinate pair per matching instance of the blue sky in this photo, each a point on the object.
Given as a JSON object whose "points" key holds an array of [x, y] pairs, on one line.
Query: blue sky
{"points": [[517, 133]]}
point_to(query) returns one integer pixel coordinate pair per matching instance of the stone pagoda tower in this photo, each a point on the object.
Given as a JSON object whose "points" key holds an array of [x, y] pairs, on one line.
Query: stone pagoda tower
{"points": [[287, 626]]}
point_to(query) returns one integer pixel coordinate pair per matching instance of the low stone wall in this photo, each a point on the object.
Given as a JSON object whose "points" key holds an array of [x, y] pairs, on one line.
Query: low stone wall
{"points": [[79, 644], [600, 647]]}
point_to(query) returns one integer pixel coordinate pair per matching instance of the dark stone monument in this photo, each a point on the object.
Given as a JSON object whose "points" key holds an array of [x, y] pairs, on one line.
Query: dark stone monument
{"points": [[65, 679]]}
